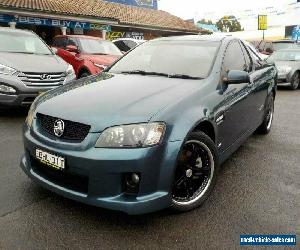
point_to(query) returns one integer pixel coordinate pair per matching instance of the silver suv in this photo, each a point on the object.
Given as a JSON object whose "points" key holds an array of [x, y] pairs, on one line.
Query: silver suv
{"points": [[28, 67]]}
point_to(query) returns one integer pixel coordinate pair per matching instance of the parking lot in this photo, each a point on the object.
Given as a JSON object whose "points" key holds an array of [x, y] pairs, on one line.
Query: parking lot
{"points": [[258, 191]]}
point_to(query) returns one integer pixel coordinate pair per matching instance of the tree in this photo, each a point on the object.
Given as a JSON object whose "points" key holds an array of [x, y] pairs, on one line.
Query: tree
{"points": [[229, 24]]}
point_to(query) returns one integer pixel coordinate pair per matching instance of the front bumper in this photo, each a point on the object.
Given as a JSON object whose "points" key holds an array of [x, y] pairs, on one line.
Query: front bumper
{"points": [[103, 170], [25, 94]]}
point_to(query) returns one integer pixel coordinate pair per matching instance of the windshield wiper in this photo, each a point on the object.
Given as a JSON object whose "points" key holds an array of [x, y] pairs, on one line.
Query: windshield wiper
{"points": [[100, 54], [142, 72], [182, 76]]}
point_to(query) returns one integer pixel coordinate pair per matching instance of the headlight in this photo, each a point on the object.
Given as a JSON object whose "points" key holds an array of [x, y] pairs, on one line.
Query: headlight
{"points": [[7, 89], [284, 70], [100, 66], [132, 136], [30, 115], [5, 70], [70, 70]]}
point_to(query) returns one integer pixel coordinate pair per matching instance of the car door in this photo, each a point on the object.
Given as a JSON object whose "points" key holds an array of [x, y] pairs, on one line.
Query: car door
{"points": [[233, 117], [259, 83]]}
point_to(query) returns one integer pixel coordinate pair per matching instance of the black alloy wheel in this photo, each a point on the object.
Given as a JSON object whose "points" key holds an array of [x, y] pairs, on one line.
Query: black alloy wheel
{"points": [[196, 172], [266, 125]]}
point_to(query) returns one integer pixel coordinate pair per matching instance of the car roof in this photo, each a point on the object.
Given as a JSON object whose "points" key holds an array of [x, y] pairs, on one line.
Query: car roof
{"points": [[80, 36], [212, 38], [7, 29]]}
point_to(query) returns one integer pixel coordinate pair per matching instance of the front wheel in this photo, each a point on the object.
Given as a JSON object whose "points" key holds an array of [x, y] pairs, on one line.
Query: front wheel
{"points": [[196, 172], [85, 74], [266, 125]]}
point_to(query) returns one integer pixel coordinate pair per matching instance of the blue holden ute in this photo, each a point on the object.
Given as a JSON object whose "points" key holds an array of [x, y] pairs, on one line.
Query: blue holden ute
{"points": [[152, 130]]}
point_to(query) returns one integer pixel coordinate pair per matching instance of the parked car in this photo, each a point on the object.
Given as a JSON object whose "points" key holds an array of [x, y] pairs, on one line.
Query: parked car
{"points": [[268, 47], [126, 44], [88, 55], [287, 62], [152, 131], [28, 67], [255, 50]]}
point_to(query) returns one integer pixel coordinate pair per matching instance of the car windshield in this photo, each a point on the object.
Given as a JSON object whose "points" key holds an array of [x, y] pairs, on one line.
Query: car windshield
{"points": [[99, 47], [285, 45], [291, 55], [20, 42], [189, 59]]}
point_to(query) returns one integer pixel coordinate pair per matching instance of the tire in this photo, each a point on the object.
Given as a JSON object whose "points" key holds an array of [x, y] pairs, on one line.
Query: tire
{"points": [[295, 81], [196, 172], [266, 125], [84, 74]]}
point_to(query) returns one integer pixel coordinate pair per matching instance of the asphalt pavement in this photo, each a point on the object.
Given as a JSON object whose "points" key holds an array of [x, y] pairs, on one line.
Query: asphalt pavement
{"points": [[258, 192]]}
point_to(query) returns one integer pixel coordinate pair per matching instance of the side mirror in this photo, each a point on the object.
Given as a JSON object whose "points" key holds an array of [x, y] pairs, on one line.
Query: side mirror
{"points": [[236, 77], [72, 48]]}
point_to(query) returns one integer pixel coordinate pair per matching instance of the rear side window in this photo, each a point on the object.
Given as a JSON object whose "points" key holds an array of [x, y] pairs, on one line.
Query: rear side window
{"points": [[130, 44], [234, 58], [122, 46]]}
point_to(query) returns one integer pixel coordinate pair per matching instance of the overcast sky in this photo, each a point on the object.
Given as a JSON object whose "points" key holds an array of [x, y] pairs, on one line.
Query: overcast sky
{"points": [[202, 8]]}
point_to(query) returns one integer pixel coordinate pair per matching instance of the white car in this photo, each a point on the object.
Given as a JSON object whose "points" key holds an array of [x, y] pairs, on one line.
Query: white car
{"points": [[126, 44]]}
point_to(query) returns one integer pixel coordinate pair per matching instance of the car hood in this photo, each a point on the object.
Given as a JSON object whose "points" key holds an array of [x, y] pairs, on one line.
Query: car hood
{"points": [[107, 100], [101, 59], [33, 63], [287, 64]]}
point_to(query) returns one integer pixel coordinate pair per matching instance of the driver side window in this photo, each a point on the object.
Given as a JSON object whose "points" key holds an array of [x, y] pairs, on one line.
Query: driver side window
{"points": [[234, 58]]}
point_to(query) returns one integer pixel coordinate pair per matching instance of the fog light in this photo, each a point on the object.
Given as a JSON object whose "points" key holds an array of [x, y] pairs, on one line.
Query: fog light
{"points": [[131, 183], [7, 89], [135, 178]]}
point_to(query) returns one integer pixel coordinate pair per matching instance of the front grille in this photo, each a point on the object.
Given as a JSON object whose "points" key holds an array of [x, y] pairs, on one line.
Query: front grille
{"points": [[64, 179], [74, 131], [42, 79]]}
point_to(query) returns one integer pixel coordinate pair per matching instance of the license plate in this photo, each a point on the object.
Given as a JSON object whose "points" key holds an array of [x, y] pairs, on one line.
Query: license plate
{"points": [[51, 160]]}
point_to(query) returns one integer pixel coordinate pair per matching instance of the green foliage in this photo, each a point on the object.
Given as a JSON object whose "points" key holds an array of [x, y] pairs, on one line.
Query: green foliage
{"points": [[229, 24]]}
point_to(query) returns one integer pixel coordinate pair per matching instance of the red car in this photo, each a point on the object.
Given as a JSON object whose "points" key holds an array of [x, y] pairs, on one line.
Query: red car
{"points": [[88, 55]]}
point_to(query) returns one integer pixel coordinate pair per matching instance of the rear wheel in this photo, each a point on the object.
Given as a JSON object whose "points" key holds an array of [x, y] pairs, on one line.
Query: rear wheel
{"points": [[196, 172], [266, 125], [295, 81]]}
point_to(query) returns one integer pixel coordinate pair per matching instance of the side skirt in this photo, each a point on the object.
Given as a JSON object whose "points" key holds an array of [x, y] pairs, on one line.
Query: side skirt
{"points": [[235, 146]]}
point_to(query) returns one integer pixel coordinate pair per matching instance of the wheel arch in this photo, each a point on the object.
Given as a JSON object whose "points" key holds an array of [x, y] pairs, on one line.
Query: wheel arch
{"points": [[83, 70], [207, 128]]}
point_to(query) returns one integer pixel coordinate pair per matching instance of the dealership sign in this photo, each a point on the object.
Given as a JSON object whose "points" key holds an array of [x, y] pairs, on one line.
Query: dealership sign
{"points": [[52, 22], [262, 22], [117, 34]]}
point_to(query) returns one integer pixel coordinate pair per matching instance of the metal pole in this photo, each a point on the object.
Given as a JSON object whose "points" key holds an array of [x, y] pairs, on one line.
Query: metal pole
{"points": [[263, 34]]}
